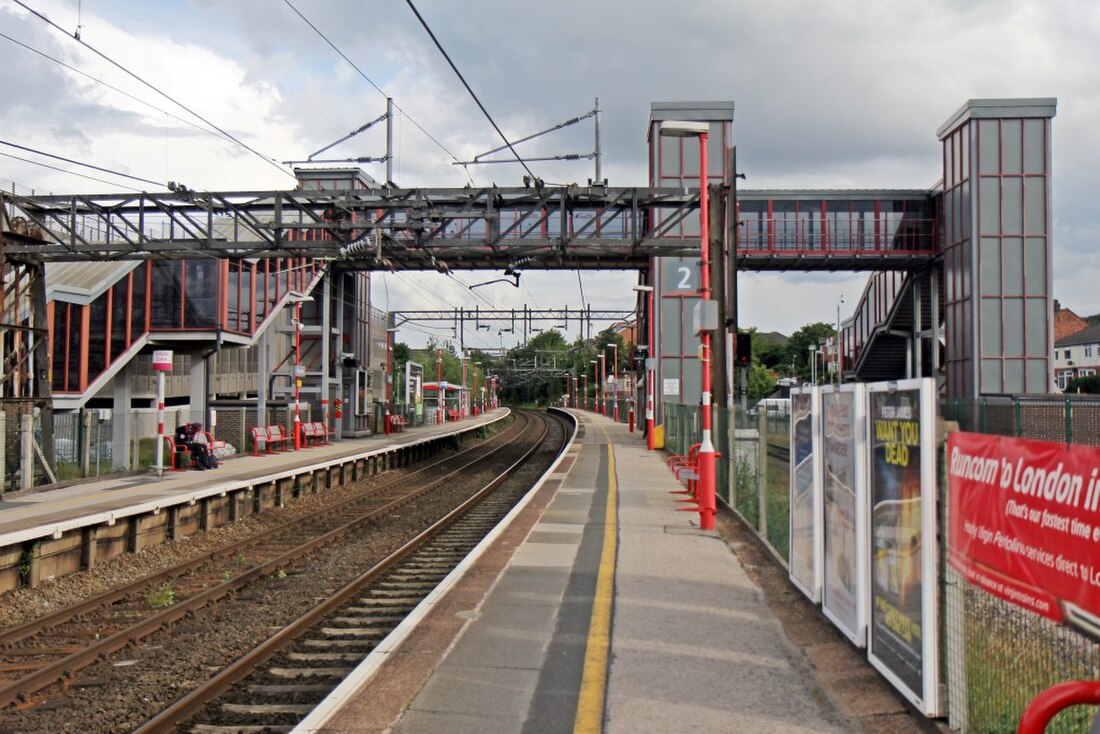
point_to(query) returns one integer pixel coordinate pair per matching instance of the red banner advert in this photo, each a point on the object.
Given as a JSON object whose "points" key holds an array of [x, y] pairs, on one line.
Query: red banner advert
{"points": [[1025, 521]]}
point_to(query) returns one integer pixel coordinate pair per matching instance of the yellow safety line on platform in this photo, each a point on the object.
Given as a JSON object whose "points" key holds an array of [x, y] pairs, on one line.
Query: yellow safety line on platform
{"points": [[593, 694]]}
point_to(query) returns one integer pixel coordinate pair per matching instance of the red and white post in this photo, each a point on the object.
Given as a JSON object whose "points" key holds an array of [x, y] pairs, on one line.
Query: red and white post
{"points": [[162, 363]]}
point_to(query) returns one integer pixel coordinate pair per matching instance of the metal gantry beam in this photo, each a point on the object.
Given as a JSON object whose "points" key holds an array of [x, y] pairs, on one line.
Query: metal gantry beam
{"points": [[479, 315], [561, 227]]}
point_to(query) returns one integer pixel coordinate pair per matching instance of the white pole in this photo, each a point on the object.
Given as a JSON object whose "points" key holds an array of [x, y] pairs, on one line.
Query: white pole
{"points": [[159, 467]]}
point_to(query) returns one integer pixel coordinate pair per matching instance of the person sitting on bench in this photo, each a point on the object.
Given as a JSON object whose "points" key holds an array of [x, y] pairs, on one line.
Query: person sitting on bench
{"points": [[192, 436]]}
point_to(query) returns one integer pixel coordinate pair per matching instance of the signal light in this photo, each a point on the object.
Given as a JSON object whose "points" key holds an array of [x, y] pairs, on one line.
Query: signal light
{"points": [[743, 351]]}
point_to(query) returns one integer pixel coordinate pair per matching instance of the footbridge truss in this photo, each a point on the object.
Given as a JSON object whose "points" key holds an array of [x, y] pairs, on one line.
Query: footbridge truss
{"points": [[509, 229], [566, 227]]}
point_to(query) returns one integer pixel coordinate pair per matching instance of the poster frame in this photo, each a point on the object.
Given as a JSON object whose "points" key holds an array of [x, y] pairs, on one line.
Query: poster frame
{"points": [[813, 589], [928, 699], [857, 636]]}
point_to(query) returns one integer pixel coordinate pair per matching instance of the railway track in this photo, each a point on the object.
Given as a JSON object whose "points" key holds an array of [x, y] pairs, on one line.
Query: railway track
{"points": [[55, 654], [278, 683], [53, 648]]}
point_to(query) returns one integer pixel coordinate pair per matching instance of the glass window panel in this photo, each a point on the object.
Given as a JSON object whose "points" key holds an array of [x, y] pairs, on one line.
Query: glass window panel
{"points": [[1012, 210], [233, 295], [246, 297], [670, 155], [990, 206], [261, 300], [1035, 204], [1014, 376], [950, 222], [671, 325], [989, 147], [966, 272], [964, 210], [1036, 327], [670, 370], [991, 327], [167, 295], [991, 376], [202, 294], [950, 151], [689, 149], [990, 260], [1013, 327], [1011, 148], [692, 385], [716, 153], [1037, 378], [119, 296], [1012, 259], [76, 313], [137, 315], [1034, 146], [97, 338], [60, 339], [964, 152], [1035, 265]]}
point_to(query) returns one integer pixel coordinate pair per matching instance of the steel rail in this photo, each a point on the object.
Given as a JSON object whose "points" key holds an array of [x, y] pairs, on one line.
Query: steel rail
{"points": [[63, 671], [31, 627], [191, 703]]}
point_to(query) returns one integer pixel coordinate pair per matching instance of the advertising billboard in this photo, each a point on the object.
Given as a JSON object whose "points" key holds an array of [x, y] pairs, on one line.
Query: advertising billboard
{"points": [[902, 633], [845, 536], [1024, 523], [805, 497]]}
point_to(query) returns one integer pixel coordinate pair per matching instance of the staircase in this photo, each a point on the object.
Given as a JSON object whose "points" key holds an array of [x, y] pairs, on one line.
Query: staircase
{"points": [[879, 339]]}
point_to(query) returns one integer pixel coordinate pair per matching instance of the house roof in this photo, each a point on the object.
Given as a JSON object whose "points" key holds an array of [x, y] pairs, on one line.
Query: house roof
{"points": [[1091, 335]]}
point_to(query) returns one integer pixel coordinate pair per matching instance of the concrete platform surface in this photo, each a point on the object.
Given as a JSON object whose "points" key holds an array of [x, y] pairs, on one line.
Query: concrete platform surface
{"points": [[693, 645], [27, 509]]}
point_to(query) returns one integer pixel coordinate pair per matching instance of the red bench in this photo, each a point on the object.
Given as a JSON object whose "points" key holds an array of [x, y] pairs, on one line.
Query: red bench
{"points": [[272, 437], [397, 423], [686, 468], [315, 431], [179, 454]]}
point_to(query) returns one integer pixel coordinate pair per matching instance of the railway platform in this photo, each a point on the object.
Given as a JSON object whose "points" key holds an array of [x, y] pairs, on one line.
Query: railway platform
{"points": [[50, 532], [599, 607]]}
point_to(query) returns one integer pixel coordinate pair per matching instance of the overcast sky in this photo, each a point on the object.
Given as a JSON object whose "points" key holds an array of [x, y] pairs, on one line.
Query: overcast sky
{"points": [[827, 94]]}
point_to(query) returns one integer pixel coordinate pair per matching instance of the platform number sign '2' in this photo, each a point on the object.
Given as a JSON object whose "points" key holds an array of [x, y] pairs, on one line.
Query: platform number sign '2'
{"points": [[683, 283]]}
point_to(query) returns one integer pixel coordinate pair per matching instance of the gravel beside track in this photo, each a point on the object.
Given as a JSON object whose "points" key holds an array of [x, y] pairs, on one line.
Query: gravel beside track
{"points": [[123, 692]]}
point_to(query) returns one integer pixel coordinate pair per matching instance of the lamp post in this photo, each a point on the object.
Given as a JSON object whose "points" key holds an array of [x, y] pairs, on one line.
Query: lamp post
{"points": [[462, 394], [707, 499], [813, 364], [650, 375], [596, 381], [614, 379], [585, 404], [476, 409], [576, 401], [601, 395], [439, 387], [389, 376], [839, 353]]}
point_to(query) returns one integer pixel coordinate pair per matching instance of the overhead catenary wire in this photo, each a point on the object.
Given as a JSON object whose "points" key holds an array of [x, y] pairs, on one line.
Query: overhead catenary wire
{"points": [[150, 85], [469, 89], [71, 173], [367, 78], [97, 80], [78, 163]]}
